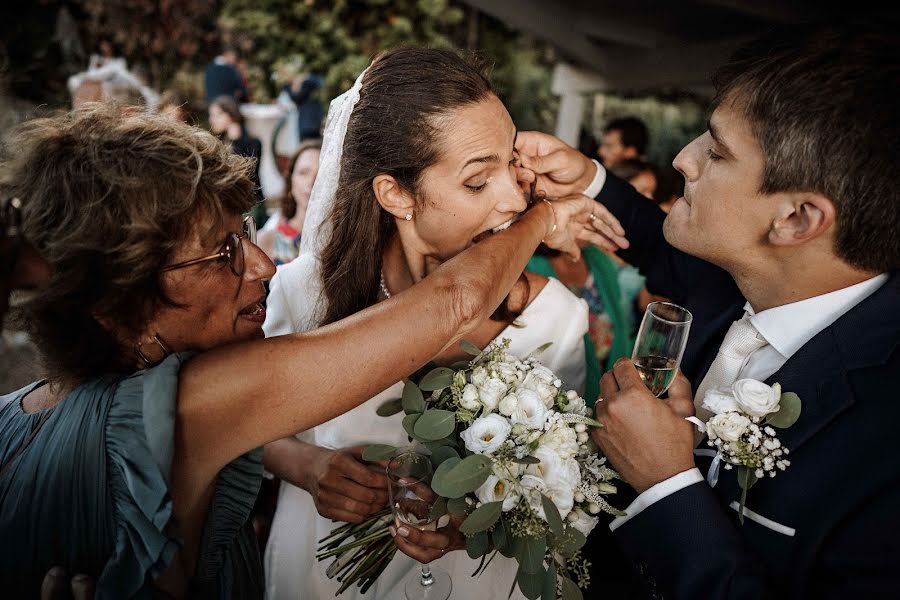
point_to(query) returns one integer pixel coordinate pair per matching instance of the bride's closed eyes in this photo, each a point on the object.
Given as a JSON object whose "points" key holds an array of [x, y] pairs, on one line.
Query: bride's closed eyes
{"points": [[477, 187]]}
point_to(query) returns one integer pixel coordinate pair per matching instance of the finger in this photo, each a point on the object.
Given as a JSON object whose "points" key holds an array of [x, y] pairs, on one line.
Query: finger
{"points": [[83, 587], [350, 489], [524, 175], [438, 540], [549, 163], [332, 501], [55, 585], [600, 241], [626, 375], [422, 555], [336, 514], [360, 472], [609, 387], [680, 399], [602, 213], [606, 229]]}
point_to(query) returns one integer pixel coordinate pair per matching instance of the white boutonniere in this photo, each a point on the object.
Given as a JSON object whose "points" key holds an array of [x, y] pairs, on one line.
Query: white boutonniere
{"points": [[742, 431]]}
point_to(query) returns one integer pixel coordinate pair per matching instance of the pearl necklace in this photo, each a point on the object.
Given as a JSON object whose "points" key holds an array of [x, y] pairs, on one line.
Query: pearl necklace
{"points": [[384, 288]]}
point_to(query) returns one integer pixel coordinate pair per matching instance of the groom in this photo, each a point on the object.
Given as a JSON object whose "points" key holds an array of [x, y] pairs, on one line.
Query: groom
{"points": [[785, 248]]}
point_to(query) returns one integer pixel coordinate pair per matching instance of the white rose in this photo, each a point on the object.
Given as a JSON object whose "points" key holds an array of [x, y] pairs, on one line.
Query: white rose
{"points": [[486, 434], [562, 439], [469, 399], [479, 376], [728, 426], [719, 400], [755, 397], [582, 521], [495, 490], [508, 405], [576, 405], [507, 373], [530, 410], [491, 392], [542, 380]]}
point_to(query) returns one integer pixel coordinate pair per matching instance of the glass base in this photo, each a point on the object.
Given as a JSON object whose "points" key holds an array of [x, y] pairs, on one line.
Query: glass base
{"points": [[439, 589]]}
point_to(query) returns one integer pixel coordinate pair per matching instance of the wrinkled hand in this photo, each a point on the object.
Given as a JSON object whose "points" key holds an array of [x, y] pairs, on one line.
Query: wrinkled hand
{"points": [[58, 586], [344, 486], [646, 439], [581, 219], [559, 169], [426, 546]]}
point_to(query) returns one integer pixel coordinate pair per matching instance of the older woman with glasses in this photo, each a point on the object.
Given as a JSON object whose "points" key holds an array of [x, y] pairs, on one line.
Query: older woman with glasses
{"points": [[137, 460]]}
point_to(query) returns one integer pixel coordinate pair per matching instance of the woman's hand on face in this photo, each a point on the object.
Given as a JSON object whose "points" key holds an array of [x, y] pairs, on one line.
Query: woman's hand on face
{"points": [[426, 546], [579, 218], [556, 168], [344, 486]]}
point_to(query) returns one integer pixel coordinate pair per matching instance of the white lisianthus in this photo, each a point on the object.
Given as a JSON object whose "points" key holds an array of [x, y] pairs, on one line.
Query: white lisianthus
{"points": [[562, 439], [720, 400], [508, 470], [508, 405], [486, 434], [728, 426], [496, 489], [479, 376], [755, 397], [469, 399], [491, 392], [582, 521], [530, 410], [560, 477]]}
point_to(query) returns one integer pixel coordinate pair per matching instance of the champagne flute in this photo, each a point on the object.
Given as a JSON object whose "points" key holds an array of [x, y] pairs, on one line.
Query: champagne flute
{"points": [[412, 501], [660, 344]]}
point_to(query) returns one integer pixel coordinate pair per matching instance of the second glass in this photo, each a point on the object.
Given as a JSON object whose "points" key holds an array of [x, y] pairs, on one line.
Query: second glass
{"points": [[660, 344]]}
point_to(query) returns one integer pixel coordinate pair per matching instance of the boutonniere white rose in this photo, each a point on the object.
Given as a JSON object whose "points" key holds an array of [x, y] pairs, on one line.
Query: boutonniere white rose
{"points": [[742, 430]]}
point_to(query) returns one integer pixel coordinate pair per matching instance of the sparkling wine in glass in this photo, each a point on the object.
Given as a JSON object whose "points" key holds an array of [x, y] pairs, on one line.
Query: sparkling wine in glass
{"points": [[412, 503], [660, 344]]}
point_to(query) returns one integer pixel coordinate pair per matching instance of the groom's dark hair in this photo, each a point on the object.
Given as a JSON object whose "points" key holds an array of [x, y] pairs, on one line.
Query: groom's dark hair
{"points": [[822, 102], [394, 130]]}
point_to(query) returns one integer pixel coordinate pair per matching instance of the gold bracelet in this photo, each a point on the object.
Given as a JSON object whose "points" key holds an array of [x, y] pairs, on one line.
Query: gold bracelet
{"points": [[553, 212]]}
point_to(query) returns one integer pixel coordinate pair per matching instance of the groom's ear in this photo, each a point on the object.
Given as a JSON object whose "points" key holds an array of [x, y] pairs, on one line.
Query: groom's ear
{"points": [[801, 217], [392, 197]]}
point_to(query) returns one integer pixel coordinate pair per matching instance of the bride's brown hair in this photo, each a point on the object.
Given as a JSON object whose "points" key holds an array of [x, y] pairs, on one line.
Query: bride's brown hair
{"points": [[393, 130]]}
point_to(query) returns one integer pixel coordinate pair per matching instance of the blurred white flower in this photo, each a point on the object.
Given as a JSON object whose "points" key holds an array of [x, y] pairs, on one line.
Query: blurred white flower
{"points": [[469, 399]]}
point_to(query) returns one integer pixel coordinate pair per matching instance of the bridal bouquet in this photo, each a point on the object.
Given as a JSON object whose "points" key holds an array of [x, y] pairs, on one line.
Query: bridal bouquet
{"points": [[512, 457]]}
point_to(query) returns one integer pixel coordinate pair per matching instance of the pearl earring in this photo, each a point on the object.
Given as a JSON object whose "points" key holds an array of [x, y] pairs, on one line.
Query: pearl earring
{"points": [[409, 216]]}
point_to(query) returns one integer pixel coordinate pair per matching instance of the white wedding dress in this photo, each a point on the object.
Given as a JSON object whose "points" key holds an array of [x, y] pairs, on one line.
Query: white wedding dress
{"points": [[292, 571]]}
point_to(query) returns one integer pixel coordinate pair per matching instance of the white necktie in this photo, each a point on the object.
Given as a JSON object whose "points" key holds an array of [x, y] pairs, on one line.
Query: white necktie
{"points": [[740, 342]]}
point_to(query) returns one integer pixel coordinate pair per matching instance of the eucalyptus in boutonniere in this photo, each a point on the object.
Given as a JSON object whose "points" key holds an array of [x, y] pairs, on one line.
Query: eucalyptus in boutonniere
{"points": [[742, 430], [512, 458]]}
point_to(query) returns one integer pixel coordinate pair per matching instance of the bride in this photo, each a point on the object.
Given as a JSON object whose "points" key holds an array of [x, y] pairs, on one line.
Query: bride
{"points": [[425, 152]]}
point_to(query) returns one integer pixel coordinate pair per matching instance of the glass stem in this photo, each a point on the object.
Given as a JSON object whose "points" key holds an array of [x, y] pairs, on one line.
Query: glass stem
{"points": [[427, 577]]}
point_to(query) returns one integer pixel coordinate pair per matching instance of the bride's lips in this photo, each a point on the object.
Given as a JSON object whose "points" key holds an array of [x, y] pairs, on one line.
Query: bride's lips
{"points": [[254, 312], [488, 233]]}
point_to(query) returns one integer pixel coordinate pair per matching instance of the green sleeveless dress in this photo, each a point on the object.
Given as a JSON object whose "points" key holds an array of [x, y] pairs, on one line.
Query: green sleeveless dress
{"points": [[90, 493]]}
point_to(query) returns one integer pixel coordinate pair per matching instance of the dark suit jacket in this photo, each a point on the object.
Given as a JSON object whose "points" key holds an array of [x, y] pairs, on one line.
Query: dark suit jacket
{"points": [[841, 494], [223, 80], [309, 107]]}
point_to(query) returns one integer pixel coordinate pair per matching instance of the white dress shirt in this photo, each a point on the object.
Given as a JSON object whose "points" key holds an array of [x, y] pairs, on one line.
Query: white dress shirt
{"points": [[786, 328]]}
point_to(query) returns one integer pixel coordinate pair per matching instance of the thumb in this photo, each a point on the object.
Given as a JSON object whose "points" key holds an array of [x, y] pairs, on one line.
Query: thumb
{"points": [[680, 398]]}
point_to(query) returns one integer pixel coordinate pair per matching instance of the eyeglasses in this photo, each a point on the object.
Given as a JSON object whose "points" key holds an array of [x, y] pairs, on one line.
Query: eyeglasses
{"points": [[232, 251]]}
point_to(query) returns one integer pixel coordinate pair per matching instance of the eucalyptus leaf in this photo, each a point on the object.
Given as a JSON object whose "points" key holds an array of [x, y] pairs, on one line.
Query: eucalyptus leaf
{"points": [[527, 460], [458, 506], [500, 537], [529, 551], [460, 365], [437, 379], [435, 424], [570, 542], [746, 477], [552, 514], [540, 349], [482, 518], [442, 453], [531, 584], [377, 452], [389, 408], [409, 423], [457, 478], [413, 401], [570, 590], [469, 348], [549, 591], [438, 509], [477, 545], [788, 413]]}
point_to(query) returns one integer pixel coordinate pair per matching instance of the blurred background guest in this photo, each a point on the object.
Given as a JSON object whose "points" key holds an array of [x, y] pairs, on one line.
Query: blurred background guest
{"points": [[222, 78], [623, 138], [304, 91], [172, 104], [227, 122], [282, 242]]}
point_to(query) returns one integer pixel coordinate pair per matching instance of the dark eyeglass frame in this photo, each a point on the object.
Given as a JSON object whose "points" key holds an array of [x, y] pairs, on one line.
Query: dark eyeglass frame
{"points": [[232, 248]]}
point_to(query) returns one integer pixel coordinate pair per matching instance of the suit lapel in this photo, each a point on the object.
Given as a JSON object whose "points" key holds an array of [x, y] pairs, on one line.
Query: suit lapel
{"points": [[818, 372]]}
